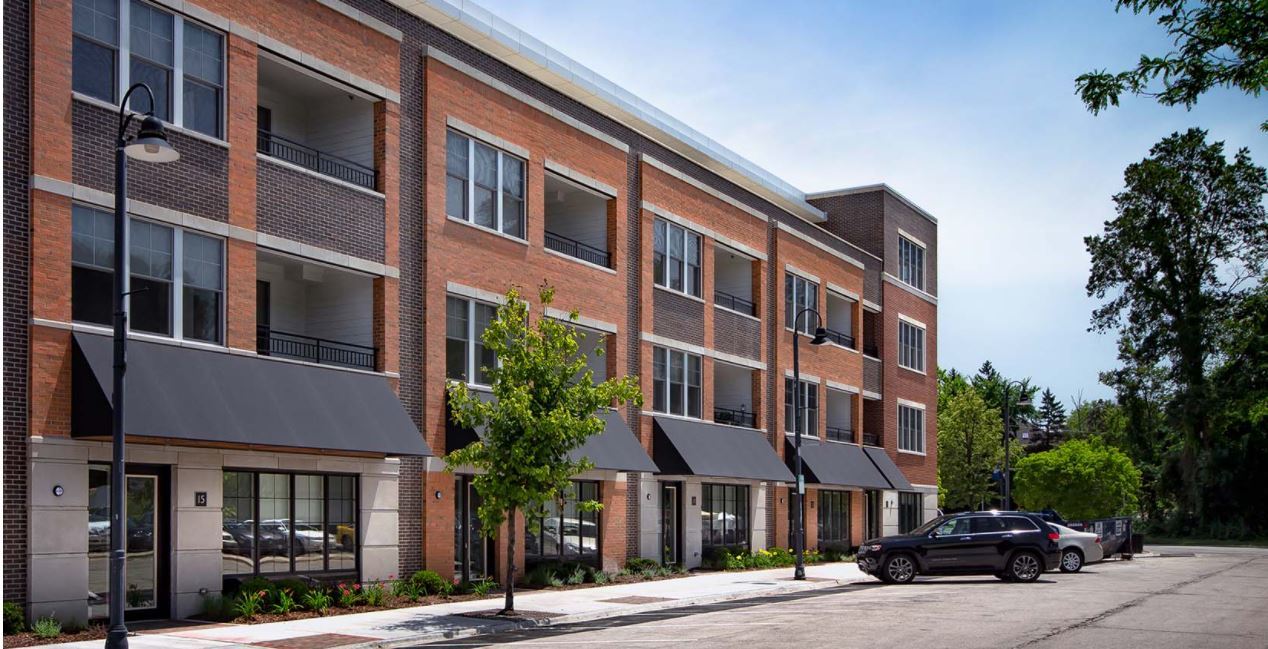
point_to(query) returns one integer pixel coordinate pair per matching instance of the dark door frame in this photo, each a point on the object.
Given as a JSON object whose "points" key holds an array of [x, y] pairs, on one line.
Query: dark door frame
{"points": [[677, 522], [162, 542]]}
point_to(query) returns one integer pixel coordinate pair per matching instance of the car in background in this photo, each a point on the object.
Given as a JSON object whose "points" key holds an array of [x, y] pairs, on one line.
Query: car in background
{"points": [[1078, 548], [1013, 546]]}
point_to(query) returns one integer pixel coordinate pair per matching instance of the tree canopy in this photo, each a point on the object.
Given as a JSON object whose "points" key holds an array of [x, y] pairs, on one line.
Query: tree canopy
{"points": [[545, 406], [1081, 479], [1217, 43], [970, 448]]}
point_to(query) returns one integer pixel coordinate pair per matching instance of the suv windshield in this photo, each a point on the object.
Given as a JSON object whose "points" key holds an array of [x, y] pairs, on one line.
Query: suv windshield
{"points": [[929, 526]]}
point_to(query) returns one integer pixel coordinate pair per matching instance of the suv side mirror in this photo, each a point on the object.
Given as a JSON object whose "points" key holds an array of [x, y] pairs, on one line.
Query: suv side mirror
{"points": [[933, 534]]}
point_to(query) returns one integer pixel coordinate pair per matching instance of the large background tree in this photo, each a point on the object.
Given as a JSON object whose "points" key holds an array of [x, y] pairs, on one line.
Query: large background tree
{"points": [[1080, 479], [1050, 421], [545, 406], [1218, 43], [1172, 269], [970, 444]]}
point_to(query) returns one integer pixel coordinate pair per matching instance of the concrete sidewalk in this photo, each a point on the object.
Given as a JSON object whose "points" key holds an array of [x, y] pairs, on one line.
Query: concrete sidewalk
{"points": [[427, 623]]}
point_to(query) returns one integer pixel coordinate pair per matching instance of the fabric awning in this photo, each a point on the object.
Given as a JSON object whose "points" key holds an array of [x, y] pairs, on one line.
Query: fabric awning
{"points": [[688, 447], [837, 464], [887, 467], [614, 449], [202, 395]]}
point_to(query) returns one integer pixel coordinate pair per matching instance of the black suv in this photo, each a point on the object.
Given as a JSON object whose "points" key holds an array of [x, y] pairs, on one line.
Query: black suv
{"points": [[1014, 546]]}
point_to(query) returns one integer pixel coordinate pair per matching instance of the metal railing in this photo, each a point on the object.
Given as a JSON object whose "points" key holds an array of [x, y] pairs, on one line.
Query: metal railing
{"points": [[276, 146], [574, 248], [732, 417], [870, 349], [738, 304], [844, 340], [871, 439], [840, 434], [271, 342]]}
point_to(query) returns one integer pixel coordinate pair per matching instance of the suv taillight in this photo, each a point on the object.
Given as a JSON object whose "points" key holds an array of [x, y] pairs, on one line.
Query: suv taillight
{"points": [[1098, 538], [1053, 536]]}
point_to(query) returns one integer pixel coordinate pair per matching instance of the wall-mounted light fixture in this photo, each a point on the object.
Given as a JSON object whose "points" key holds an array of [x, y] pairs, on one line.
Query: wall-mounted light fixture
{"points": [[437, 494], [58, 490]]}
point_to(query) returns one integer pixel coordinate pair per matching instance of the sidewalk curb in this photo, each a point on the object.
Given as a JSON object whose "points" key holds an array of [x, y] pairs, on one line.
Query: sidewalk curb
{"points": [[792, 587]]}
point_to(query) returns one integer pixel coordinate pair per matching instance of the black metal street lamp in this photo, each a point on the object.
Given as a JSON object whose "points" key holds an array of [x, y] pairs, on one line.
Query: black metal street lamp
{"points": [[799, 534], [1022, 400], [148, 145]]}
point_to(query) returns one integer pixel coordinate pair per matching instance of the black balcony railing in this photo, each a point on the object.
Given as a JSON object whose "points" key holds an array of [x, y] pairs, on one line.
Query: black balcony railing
{"points": [[738, 304], [732, 417], [574, 248], [871, 439], [844, 340], [271, 342], [838, 434], [276, 146], [870, 349]]}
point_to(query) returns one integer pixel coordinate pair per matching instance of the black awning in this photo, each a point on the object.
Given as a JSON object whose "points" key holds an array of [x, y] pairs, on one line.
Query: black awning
{"points": [[614, 449], [892, 473], [201, 395], [686, 447], [837, 464]]}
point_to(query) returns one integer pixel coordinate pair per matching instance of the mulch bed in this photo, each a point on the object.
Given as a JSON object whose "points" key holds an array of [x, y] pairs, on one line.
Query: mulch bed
{"points": [[391, 602], [28, 639], [496, 614]]}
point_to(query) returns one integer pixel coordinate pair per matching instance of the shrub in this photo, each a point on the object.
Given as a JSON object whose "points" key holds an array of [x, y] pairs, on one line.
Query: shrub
{"points": [[283, 601], [298, 587], [255, 585], [14, 618], [348, 596], [218, 608], [317, 599], [601, 577], [576, 577], [538, 576], [46, 628], [407, 589], [428, 582], [481, 588], [553, 580], [249, 604], [639, 564], [374, 595]]}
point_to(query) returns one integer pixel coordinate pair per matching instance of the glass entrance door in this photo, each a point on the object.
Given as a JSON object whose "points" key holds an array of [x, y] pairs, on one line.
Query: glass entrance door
{"points": [[144, 539], [473, 553], [669, 516], [872, 515]]}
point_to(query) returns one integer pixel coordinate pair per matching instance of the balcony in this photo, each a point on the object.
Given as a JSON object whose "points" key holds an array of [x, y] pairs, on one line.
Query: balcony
{"points": [[839, 338], [733, 281], [871, 439], [840, 319], [733, 395], [314, 122], [577, 221], [871, 331], [315, 313], [840, 415], [839, 434], [737, 304]]}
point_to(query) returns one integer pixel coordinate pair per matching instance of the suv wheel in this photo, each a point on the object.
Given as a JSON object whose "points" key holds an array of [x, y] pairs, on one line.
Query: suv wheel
{"points": [[898, 569], [1024, 567], [1071, 560]]}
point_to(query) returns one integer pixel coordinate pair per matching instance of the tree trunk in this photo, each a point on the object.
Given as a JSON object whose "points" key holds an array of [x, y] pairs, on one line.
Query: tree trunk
{"points": [[508, 607]]}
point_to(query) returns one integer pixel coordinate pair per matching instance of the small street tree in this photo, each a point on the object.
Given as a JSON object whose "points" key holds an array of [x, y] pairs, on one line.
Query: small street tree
{"points": [[970, 448], [1081, 479], [545, 407]]}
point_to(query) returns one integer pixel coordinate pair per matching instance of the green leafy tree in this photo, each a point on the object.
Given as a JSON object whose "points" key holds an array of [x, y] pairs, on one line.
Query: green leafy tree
{"points": [[1218, 43], [545, 407], [991, 384], [950, 383], [1099, 418], [970, 448], [1050, 421], [1190, 230], [1080, 479]]}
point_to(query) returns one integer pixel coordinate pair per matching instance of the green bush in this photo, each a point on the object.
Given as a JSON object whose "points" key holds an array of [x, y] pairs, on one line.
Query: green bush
{"points": [[298, 587], [218, 608], [639, 564], [407, 589], [248, 604], [256, 584], [317, 599], [576, 577], [374, 595], [1081, 479], [601, 577], [283, 601], [428, 582], [348, 596], [483, 586], [14, 618], [47, 628]]}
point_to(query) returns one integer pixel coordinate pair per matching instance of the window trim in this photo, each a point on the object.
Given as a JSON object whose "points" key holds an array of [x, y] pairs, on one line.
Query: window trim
{"points": [[686, 382], [923, 433], [469, 217], [919, 245], [814, 434], [581, 556], [921, 353], [688, 236], [123, 65], [176, 316], [843, 497], [472, 368], [797, 306], [255, 502], [747, 543]]}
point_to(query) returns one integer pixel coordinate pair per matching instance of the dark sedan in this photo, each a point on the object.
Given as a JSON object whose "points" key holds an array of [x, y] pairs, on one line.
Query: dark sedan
{"points": [[1014, 546]]}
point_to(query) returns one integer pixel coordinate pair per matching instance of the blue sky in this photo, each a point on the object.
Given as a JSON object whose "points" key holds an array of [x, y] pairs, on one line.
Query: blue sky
{"points": [[967, 108]]}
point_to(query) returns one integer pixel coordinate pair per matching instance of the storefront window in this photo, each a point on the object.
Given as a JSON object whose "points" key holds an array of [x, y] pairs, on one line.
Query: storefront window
{"points": [[834, 519], [566, 533], [278, 523], [724, 517]]}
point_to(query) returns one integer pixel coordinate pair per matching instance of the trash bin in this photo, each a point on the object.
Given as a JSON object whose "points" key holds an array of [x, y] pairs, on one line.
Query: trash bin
{"points": [[1138, 543]]}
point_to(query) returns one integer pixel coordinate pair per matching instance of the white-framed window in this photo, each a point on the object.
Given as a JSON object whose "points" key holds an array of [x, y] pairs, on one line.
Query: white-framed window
{"points": [[911, 346], [799, 293], [676, 258], [676, 380], [911, 429], [117, 43], [466, 357], [484, 185], [809, 405], [177, 277], [911, 262]]}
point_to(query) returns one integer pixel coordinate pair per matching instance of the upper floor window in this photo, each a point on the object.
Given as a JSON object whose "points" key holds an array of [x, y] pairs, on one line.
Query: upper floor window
{"points": [[466, 357], [911, 262], [676, 382], [800, 293], [177, 277], [676, 258], [911, 429], [911, 346], [809, 407], [181, 61], [483, 185]]}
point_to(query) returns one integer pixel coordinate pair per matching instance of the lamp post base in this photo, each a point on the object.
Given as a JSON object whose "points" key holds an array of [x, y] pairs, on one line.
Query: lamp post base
{"points": [[117, 638], [799, 573]]}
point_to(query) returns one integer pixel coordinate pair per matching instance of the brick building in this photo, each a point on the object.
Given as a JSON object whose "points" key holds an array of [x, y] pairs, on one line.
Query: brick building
{"points": [[344, 217]]}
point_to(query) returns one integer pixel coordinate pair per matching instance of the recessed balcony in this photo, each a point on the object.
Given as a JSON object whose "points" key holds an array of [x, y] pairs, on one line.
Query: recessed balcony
{"points": [[577, 221], [733, 395], [315, 313]]}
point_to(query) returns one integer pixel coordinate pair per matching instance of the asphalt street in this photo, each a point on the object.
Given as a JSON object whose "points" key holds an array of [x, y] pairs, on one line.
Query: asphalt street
{"points": [[1183, 598]]}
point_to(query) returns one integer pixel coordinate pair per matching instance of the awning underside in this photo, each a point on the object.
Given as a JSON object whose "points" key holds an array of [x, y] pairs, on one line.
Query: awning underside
{"points": [[200, 395], [842, 465]]}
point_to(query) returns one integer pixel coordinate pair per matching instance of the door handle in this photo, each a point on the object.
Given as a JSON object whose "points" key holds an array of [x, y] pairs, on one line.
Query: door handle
{"points": [[966, 538], [1008, 536]]}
